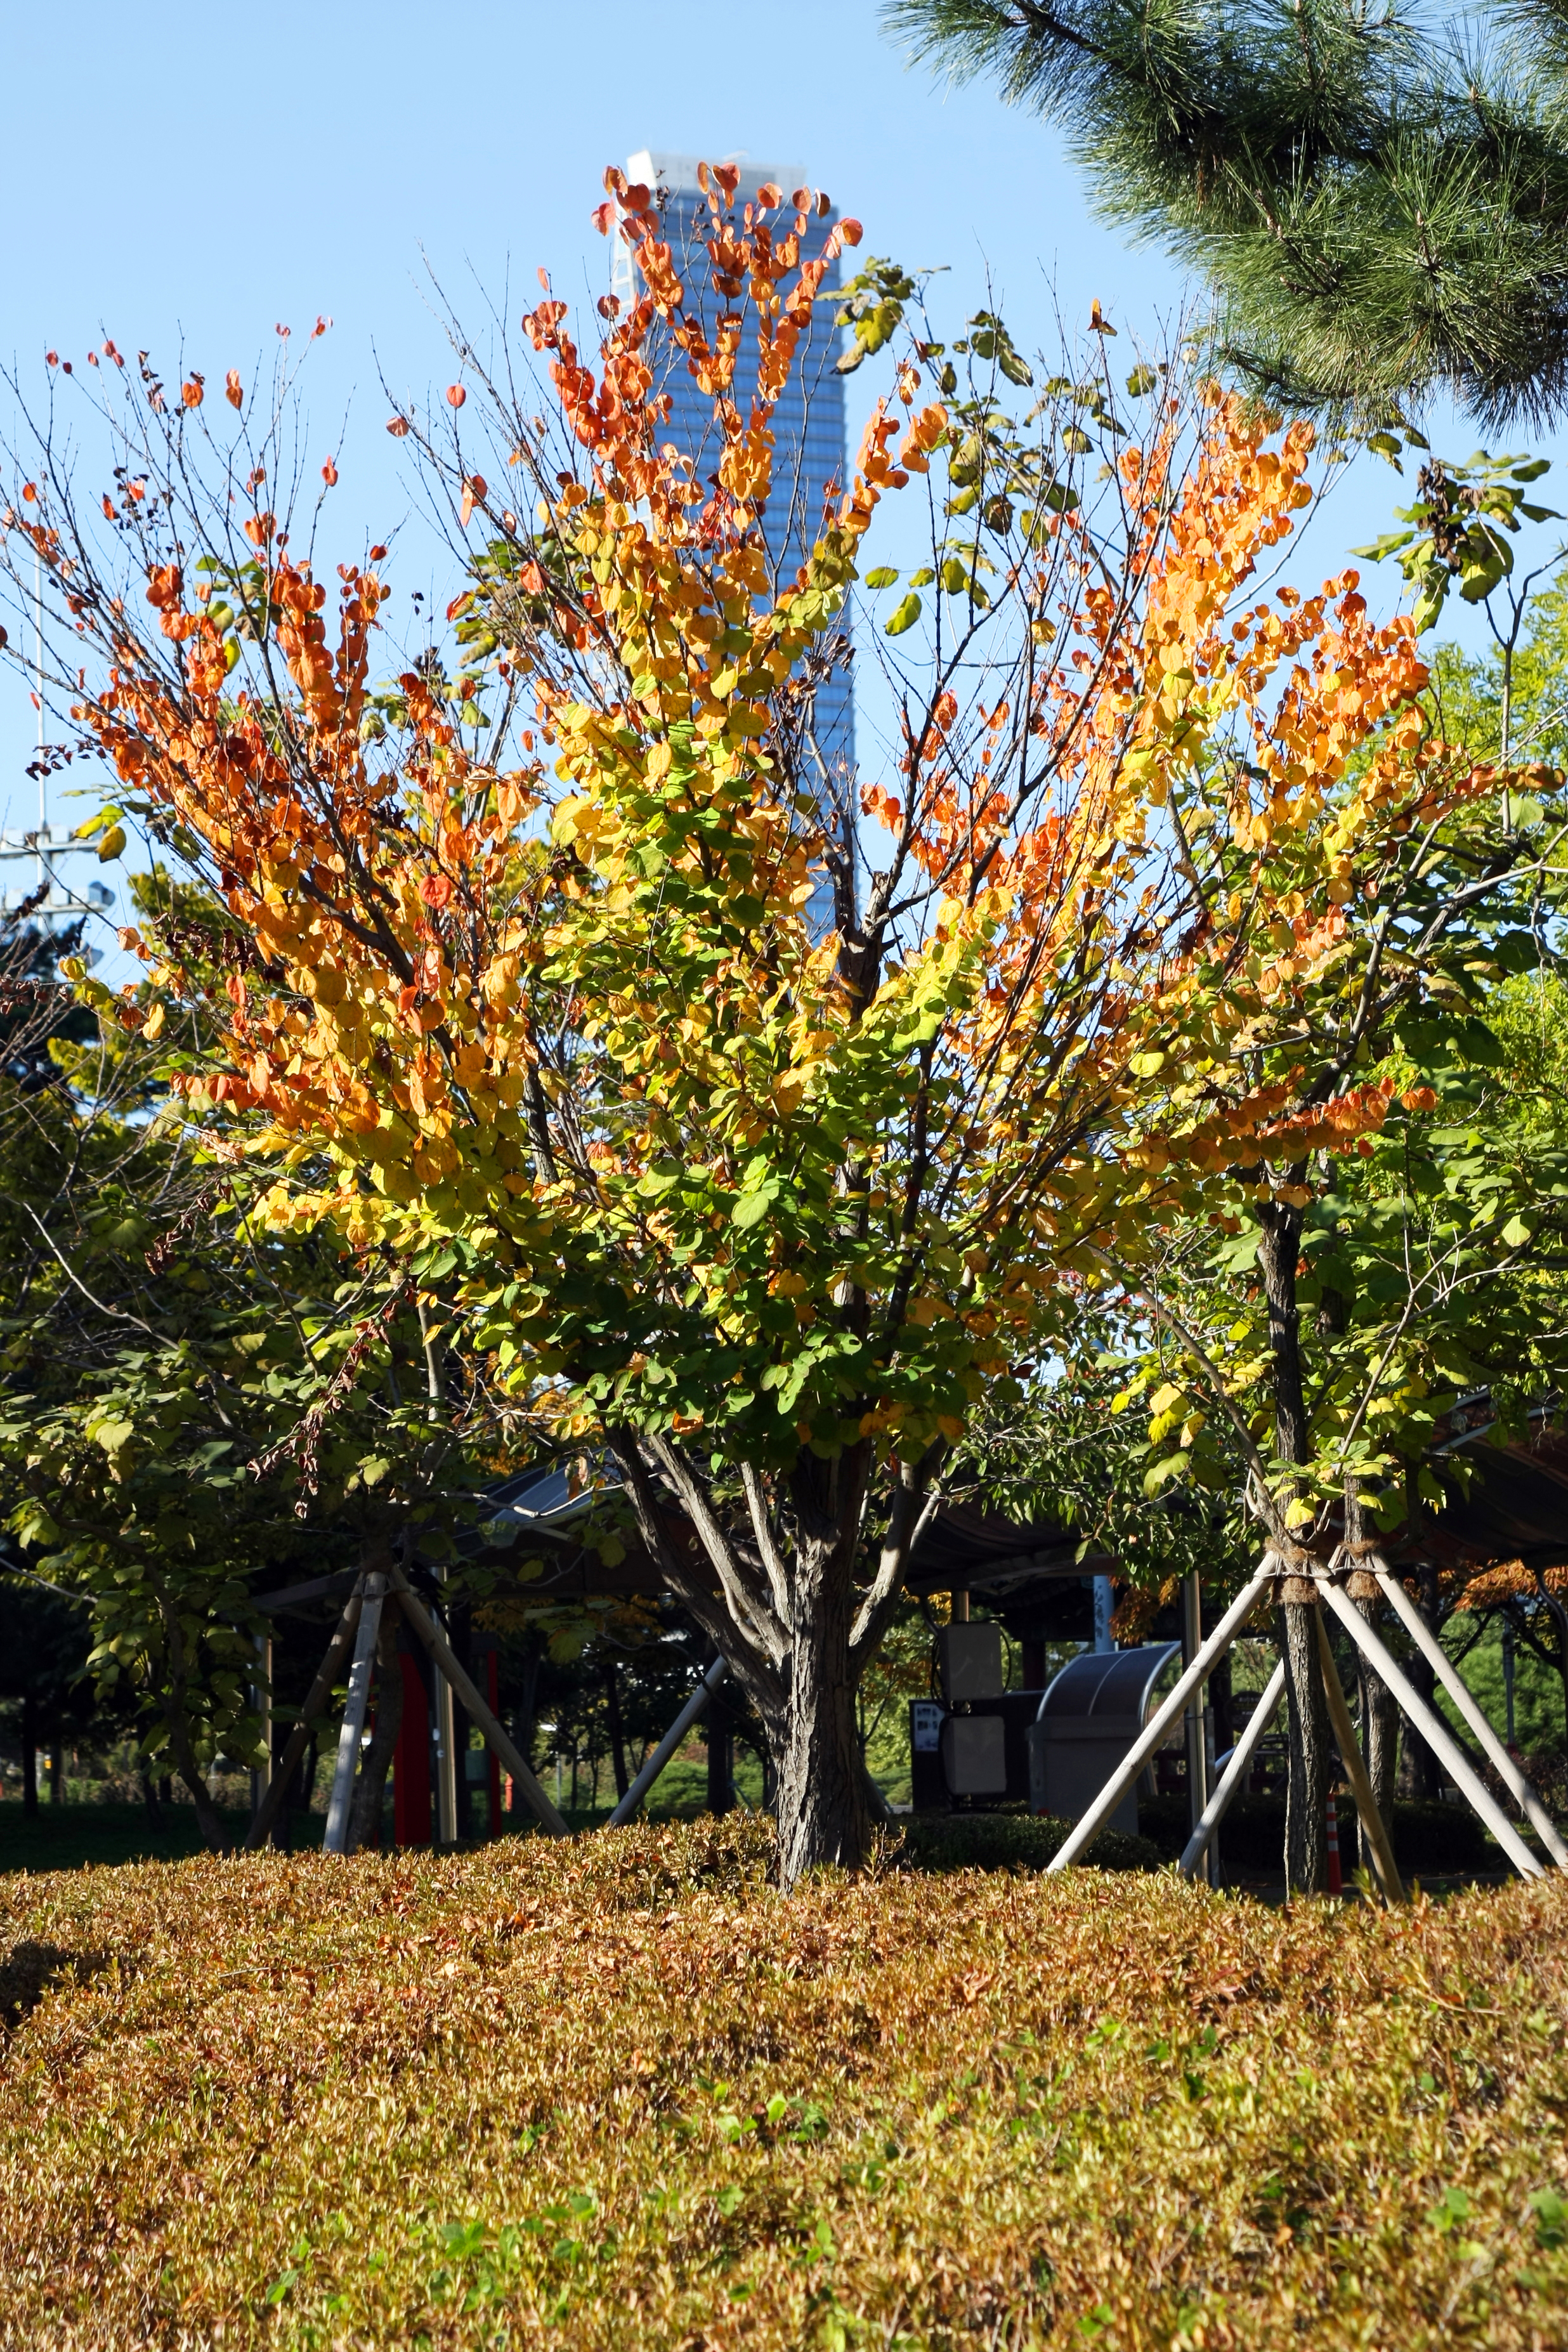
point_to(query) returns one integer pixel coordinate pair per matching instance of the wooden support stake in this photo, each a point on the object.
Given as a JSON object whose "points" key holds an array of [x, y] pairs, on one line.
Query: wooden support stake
{"points": [[319, 1692], [1350, 1758], [446, 1660]]}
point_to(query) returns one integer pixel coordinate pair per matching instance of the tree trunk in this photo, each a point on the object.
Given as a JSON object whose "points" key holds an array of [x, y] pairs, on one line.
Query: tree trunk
{"points": [[150, 1799], [1378, 1718], [172, 1702], [57, 1773], [1306, 1802], [1307, 1714], [822, 1811], [1222, 1698], [369, 1789], [208, 1820], [1420, 1776], [29, 1754], [1379, 1729], [719, 1728], [616, 1731]]}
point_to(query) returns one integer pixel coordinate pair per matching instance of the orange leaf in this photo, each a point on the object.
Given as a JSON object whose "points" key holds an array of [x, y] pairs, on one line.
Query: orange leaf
{"points": [[232, 392], [328, 473], [397, 427], [190, 393], [455, 394]]}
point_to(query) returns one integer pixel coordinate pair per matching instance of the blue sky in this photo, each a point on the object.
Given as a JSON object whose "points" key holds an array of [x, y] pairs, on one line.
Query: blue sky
{"points": [[186, 181]]}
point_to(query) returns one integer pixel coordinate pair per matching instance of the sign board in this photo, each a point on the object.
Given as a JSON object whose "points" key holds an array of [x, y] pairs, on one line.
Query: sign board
{"points": [[925, 1726]]}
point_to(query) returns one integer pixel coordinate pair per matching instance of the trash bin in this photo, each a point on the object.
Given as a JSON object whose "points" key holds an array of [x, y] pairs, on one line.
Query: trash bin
{"points": [[1088, 1721]]}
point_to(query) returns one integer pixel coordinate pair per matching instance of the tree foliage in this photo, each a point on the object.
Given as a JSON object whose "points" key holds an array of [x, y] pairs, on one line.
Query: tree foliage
{"points": [[523, 955], [1380, 200]]}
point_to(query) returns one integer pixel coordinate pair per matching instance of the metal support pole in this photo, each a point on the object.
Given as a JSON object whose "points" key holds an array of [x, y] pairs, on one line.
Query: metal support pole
{"points": [[1235, 1772], [450, 1672], [1138, 1755], [1465, 1700], [1434, 1731], [336, 1840], [1104, 1610], [1376, 1827], [667, 1746]]}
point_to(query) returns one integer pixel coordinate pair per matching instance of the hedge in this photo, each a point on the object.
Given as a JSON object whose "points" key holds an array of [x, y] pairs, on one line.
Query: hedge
{"points": [[618, 2092]]}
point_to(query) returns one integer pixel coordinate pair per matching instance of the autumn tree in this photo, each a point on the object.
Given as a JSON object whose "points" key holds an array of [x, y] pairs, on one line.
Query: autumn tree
{"points": [[760, 1204]]}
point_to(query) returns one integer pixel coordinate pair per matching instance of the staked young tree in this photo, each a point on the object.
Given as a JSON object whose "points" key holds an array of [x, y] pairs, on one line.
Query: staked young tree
{"points": [[1378, 198], [533, 951]]}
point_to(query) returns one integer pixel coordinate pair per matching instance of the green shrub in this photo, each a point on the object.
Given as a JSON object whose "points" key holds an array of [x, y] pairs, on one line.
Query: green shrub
{"points": [[1431, 1840], [1012, 1841], [619, 2094]]}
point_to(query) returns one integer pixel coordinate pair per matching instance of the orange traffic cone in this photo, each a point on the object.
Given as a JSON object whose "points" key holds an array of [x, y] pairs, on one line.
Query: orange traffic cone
{"points": [[1336, 1877]]}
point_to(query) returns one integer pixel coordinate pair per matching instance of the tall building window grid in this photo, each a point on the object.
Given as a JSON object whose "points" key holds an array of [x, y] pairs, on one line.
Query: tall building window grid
{"points": [[807, 419]]}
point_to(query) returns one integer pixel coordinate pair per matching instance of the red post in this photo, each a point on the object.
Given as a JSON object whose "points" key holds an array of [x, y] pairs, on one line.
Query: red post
{"points": [[492, 1692], [411, 1764], [1336, 1876]]}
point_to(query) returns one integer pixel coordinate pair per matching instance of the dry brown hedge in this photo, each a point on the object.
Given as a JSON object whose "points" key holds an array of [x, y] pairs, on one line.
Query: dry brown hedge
{"points": [[619, 2094]]}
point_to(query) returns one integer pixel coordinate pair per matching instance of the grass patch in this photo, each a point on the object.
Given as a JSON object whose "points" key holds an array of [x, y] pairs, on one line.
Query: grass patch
{"points": [[618, 2094]]}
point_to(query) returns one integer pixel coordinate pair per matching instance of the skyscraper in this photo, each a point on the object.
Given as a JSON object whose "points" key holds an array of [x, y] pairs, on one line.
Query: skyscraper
{"points": [[808, 418]]}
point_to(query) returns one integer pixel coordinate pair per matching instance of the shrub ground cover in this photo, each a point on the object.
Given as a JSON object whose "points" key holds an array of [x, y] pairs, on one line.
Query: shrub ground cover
{"points": [[619, 2094]]}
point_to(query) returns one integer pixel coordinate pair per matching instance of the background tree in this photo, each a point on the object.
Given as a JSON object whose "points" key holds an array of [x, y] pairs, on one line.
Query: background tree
{"points": [[194, 1404], [1380, 201], [765, 1210]]}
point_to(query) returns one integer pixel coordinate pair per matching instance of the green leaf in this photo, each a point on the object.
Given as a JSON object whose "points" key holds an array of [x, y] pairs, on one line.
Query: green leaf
{"points": [[884, 576], [753, 1207], [1551, 2218], [904, 616]]}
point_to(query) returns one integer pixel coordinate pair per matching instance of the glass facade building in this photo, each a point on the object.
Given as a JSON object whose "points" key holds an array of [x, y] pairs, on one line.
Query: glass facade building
{"points": [[808, 418]]}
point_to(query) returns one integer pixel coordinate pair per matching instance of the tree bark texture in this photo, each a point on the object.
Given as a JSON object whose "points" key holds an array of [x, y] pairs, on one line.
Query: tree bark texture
{"points": [[1379, 1729], [822, 1812], [1306, 1801], [1307, 1728]]}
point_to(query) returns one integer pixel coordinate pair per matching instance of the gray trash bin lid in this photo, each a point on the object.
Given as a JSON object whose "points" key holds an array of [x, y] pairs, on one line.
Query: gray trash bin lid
{"points": [[1107, 1683]]}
